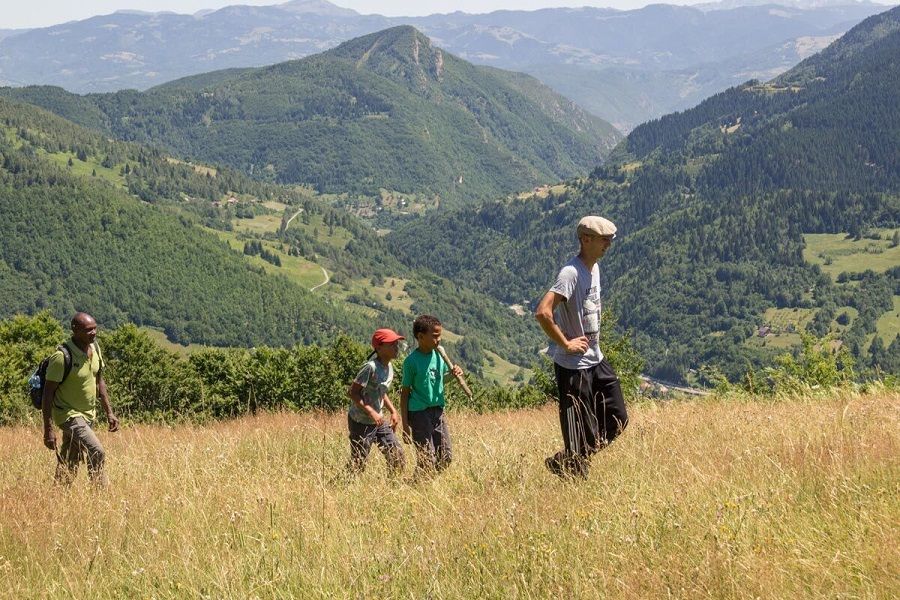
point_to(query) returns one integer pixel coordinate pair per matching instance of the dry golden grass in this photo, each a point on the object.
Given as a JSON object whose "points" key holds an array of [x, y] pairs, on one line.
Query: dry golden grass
{"points": [[711, 498]]}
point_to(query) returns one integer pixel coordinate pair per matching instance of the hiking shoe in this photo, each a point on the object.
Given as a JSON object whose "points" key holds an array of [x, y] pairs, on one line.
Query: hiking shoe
{"points": [[553, 465], [578, 467], [566, 467]]}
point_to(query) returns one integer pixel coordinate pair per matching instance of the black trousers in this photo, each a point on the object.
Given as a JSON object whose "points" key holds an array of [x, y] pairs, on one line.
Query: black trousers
{"points": [[591, 408]]}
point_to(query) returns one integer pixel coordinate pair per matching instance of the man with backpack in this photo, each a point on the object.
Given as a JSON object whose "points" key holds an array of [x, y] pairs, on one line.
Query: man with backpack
{"points": [[73, 382]]}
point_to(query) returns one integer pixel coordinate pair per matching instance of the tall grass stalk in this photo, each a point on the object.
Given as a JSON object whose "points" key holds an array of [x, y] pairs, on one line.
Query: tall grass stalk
{"points": [[720, 497]]}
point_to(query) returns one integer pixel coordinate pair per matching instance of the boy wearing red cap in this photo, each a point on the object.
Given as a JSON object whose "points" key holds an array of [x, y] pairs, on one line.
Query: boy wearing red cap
{"points": [[368, 394]]}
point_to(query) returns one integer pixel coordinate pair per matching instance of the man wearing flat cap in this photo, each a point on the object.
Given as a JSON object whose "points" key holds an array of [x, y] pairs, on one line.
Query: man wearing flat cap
{"points": [[591, 406]]}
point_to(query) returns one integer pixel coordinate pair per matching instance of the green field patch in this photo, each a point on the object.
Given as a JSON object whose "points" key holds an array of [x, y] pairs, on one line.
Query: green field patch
{"points": [[393, 296], [888, 325], [780, 340], [92, 167], [451, 336], [784, 320], [852, 313], [835, 253], [159, 336], [301, 271], [771, 89], [274, 205], [85, 168], [258, 225], [543, 191], [9, 134], [782, 327], [316, 227], [501, 371], [202, 170]]}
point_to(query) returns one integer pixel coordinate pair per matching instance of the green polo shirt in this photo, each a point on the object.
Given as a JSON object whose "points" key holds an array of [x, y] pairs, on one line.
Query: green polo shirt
{"points": [[77, 395], [423, 374]]}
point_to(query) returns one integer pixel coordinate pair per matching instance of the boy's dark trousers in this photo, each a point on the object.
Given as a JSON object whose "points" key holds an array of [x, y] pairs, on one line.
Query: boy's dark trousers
{"points": [[591, 414], [431, 437], [361, 438]]}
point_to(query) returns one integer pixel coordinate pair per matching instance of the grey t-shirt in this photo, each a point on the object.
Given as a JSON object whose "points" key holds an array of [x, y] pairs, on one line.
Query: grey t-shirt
{"points": [[375, 379], [579, 314]]}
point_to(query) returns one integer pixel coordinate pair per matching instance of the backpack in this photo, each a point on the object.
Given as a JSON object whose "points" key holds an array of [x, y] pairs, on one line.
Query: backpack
{"points": [[39, 377]]}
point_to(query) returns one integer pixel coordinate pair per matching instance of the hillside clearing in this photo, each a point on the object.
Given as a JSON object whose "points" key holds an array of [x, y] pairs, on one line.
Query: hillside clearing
{"points": [[836, 253], [159, 336], [888, 325], [296, 268]]}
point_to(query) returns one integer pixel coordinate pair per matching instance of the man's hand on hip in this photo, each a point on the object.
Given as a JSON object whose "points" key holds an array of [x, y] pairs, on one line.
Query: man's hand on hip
{"points": [[577, 345]]}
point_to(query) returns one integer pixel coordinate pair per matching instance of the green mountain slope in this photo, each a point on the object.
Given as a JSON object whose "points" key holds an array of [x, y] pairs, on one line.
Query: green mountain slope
{"points": [[207, 255], [384, 111], [713, 205], [73, 238]]}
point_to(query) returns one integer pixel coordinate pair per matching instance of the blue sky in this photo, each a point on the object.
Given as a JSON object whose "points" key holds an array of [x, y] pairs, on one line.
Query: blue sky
{"points": [[41, 13]]}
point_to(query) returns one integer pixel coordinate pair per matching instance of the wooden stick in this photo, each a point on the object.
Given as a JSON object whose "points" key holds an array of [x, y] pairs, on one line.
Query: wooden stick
{"points": [[459, 378]]}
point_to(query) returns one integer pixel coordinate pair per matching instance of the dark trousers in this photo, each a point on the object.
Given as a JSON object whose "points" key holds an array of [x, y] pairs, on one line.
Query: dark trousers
{"points": [[591, 410], [431, 437], [361, 438]]}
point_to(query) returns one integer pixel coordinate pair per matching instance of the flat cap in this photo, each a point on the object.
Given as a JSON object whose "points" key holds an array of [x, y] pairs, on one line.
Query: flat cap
{"points": [[597, 226]]}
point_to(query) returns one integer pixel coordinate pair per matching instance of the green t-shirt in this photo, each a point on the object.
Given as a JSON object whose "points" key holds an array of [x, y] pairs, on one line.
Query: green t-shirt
{"points": [[77, 395], [424, 374]]}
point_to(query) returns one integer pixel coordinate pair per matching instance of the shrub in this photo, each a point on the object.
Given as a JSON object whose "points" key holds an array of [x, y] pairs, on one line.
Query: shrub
{"points": [[24, 342], [815, 365]]}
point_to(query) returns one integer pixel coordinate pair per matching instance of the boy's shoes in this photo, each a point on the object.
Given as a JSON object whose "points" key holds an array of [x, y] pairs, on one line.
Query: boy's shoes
{"points": [[567, 466]]}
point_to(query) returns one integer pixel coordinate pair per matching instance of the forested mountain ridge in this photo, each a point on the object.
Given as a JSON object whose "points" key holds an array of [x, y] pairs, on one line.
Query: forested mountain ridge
{"points": [[713, 205], [385, 111]]}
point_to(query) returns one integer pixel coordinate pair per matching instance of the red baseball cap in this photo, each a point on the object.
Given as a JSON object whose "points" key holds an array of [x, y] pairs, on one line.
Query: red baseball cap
{"points": [[385, 336]]}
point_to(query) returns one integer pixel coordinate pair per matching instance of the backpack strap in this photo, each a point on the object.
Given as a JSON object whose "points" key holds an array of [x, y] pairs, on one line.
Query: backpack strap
{"points": [[99, 356], [67, 360]]}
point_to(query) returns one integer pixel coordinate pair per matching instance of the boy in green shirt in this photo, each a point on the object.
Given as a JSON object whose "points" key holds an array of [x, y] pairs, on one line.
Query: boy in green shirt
{"points": [[71, 402], [422, 397]]}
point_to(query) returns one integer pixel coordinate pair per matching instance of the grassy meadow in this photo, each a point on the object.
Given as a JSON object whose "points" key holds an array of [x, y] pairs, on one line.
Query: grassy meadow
{"points": [[835, 253], [888, 325], [712, 498], [296, 268]]}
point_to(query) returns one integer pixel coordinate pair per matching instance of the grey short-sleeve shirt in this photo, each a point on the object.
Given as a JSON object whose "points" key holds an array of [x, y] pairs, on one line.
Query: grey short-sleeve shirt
{"points": [[579, 314], [375, 379]]}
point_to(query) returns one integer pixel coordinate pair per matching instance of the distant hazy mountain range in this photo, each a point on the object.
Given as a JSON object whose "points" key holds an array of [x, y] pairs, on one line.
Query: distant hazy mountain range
{"points": [[624, 66]]}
